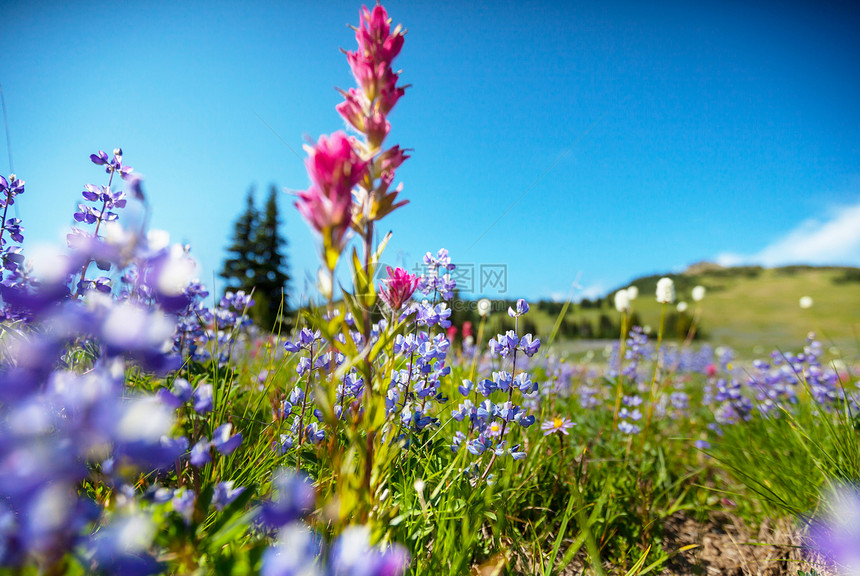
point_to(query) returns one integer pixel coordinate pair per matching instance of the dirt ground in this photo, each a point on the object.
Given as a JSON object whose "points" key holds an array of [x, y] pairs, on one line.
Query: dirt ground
{"points": [[724, 546], [728, 547]]}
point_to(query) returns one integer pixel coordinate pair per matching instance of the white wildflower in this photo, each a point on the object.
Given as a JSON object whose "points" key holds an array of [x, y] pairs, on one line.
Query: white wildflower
{"points": [[665, 291]]}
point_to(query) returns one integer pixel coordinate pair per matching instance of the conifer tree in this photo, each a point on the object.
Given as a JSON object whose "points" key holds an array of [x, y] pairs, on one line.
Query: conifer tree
{"points": [[256, 261], [271, 274], [240, 266]]}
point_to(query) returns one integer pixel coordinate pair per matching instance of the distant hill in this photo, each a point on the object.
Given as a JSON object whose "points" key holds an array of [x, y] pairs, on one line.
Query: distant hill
{"points": [[702, 268], [752, 308]]}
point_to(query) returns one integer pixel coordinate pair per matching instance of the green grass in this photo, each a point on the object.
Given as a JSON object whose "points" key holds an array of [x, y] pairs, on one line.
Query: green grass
{"points": [[597, 498], [751, 310]]}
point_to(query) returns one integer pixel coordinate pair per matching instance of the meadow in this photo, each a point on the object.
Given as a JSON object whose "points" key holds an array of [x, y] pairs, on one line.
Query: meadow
{"points": [[750, 309], [148, 427]]}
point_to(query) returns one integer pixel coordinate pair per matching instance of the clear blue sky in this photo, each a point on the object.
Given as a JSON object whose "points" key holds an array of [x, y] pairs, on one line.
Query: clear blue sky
{"points": [[629, 137]]}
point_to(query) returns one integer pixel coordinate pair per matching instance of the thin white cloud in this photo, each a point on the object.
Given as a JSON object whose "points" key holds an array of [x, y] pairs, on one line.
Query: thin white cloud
{"points": [[591, 292], [578, 292], [558, 296], [833, 241]]}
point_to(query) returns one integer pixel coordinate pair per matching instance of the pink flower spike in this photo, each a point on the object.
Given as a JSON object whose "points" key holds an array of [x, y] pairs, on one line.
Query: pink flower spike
{"points": [[375, 41], [389, 92], [398, 288], [376, 128], [334, 168], [353, 108], [390, 160], [371, 63]]}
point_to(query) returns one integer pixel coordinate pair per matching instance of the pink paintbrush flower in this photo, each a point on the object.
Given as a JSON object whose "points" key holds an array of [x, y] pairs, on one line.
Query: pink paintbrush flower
{"points": [[378, 45], [398, 288], [334, 168], [374, 37]]}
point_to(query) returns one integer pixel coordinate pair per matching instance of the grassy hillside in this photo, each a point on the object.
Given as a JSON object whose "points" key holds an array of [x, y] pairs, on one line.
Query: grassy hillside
{"points": [[752, 309]]}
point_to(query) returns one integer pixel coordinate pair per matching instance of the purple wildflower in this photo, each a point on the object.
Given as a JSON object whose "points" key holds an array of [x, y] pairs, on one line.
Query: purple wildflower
{"points": [[556, 424]]}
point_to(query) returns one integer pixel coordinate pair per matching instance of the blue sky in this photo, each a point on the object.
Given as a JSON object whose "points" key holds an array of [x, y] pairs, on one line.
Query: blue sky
{"points": [[595, 141]]}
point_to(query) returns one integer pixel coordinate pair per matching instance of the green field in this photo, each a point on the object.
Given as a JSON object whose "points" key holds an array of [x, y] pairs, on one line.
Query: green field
{"points": [[750, 309]]}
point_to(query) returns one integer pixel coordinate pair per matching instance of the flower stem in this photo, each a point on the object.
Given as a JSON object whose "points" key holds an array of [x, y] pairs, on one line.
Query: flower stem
{"points": [[86, 266], [655, 379], [619, 391]]}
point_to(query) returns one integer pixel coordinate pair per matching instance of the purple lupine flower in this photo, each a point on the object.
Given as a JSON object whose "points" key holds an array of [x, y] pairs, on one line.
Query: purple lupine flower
{"points": [[466, 409], [837, 535], [223, 441], [201, 454], [524, 383], [314, 433], [129, 329], [285, 444], [294, 498], [182, 389], [632, 401], [438, 278], [121, 547], [9, 189], [628, 428], [405, 345], [465, 388], [297, 395], [100, 159], [503, 380], [522, 308], [308, 337], [504, 344], [529, 345], [679, 400], [429, 315], [225, 494], [526, 421], [168, 398], [138, 429], [479, 445], [457, 441], [486, 387], [510, 412], [352, 555], [486, 410], [112, 165], [516, 453], [183, 503], [202, 398], [13, 226], [296, 552]]}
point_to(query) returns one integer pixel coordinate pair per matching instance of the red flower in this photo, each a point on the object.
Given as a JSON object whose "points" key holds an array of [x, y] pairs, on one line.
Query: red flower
{"points": [[467, 329]]}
